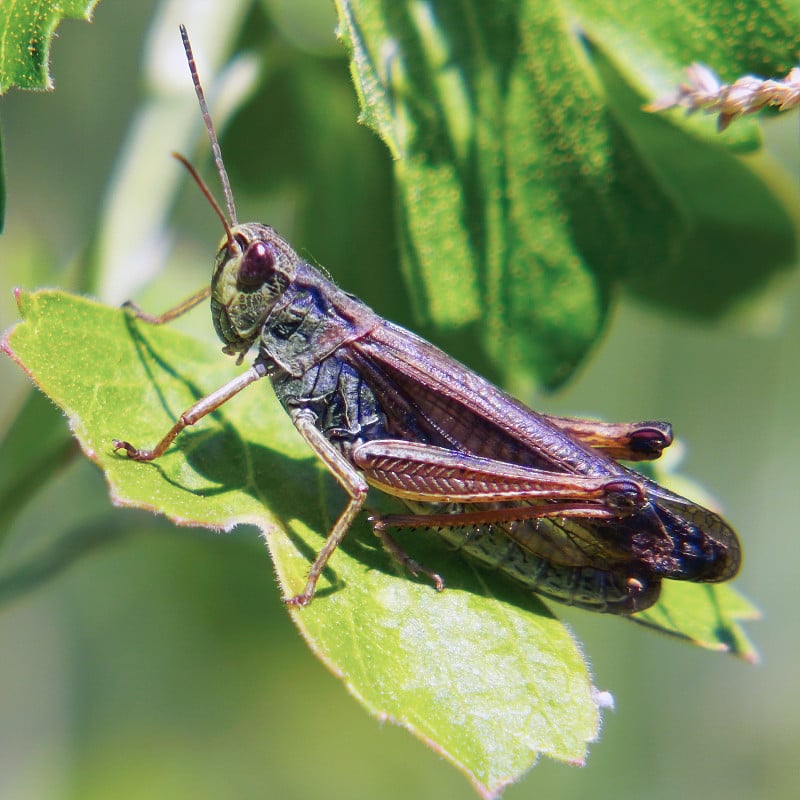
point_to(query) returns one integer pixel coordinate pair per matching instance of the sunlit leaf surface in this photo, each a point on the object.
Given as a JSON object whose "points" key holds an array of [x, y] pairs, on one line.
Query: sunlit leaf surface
{"points": [[485, 675]]}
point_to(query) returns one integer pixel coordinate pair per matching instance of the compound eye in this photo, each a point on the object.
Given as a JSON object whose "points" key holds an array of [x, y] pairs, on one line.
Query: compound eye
{"points": [[258, 264]]}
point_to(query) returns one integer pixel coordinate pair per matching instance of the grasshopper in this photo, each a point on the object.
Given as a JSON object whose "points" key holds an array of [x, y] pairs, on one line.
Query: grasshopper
{"points": [[542, 499]]}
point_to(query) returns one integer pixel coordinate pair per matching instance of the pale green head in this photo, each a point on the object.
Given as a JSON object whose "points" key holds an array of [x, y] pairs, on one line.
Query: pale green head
{"points": [[252, 269]]}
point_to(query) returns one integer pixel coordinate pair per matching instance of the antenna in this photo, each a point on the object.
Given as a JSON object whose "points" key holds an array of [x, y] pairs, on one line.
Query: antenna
{"points": [[212, 135], [210, 197]]}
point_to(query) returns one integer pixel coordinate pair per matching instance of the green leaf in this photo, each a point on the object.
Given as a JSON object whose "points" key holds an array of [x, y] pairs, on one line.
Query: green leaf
{"points": [[482, 673], [707, 616], [531, 183], [26, 31]]}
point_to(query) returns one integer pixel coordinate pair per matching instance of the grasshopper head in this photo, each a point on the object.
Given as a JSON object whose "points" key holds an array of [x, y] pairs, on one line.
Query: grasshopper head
{"points": [[247, 282]]}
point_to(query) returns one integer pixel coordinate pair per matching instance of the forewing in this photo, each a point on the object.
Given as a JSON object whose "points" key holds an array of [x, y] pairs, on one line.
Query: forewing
{"points": [[429, 396], [703, 547]]}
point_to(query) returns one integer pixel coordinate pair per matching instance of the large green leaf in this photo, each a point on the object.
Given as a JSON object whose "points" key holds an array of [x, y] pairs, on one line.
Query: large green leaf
{"points": [[530, 180], [530, 185], [489, 684], [26, 31], [481, 672]]}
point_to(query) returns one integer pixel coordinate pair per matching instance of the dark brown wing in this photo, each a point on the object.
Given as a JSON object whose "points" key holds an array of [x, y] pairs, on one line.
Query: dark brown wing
{"points": [[430, 397], [702, 546]]}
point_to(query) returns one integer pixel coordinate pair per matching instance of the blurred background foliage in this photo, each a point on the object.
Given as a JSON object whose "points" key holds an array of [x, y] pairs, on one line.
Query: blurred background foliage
{"points": [[165, 663]]}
